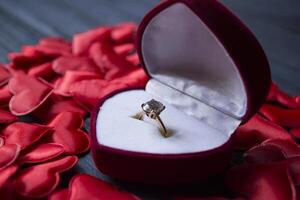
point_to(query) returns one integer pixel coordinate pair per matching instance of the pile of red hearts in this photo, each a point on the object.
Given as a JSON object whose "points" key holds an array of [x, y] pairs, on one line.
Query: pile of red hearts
{"points": [[59, 82]]}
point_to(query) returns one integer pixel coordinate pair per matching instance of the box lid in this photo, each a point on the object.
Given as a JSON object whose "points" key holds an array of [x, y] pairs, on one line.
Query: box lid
{"points": [[204, 52]]}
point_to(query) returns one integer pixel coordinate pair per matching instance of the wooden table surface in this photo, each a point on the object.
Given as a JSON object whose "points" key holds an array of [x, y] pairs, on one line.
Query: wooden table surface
{"points": [[276, 24]]}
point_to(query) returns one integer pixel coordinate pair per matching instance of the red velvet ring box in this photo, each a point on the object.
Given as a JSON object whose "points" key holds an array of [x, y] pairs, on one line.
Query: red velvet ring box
{"points": [[211, 74]]}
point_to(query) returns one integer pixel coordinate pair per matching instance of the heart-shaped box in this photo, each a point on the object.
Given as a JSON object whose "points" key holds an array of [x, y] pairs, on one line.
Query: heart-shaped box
{"points": [[211, 74]]}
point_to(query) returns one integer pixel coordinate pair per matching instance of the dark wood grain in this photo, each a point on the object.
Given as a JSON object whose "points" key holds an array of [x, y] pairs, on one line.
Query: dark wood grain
{"points": [[276, 23]]}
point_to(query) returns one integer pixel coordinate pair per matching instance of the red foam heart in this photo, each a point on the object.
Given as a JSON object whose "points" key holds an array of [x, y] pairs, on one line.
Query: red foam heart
{"points": [[43, 71], [56, 42], [41, 153], [133, 59], [40, 180], [295, 132], [281, 116], [88, 187], [71, 77], [106, 59], [51, 51], [257, 130], [88, 92], [62, 194], [23, 134], [55, 105], [9, 153], [74, 63], [276, 95], [124, 32], [28, 93], [5, 96], [262, 181], [4, 75], [6, 173], [6, 117], [66, 126], [83, 41], [124, 49]]}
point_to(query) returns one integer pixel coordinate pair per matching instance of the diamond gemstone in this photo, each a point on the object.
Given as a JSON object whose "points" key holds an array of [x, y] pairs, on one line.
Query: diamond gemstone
{"points": [[154, 106]]}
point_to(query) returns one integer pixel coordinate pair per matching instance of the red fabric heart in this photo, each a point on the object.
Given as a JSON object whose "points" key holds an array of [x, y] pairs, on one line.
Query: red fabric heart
{"points": [[106, 59], [23, 134], [56, 42], [27, 59], [6, 117], [262, 181], [62, 194], [66, 126], [281, 116], [124, 32], [28, 93], [41, 153], [133, 59], [9, 153], [272, 150], [88, 187], [257, 130], [83, 41], [43, 71], [5, 96], [40, 180], [50, 51], [4, 75], [6, 173], [295, 132], [71, 77], [88, 92], [73, 63], [55, 105], [276, 95], [124, 49]]}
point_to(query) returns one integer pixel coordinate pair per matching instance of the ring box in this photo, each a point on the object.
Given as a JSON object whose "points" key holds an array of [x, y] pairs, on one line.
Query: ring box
{"points": [[212, 75]]}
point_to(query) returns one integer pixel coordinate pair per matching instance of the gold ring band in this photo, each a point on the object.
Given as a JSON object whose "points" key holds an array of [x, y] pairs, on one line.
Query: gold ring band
{"points": [[152, 109]]}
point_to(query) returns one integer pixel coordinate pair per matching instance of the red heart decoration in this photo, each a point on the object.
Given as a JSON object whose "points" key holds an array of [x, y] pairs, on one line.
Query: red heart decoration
{"points": [[88, 187], [41, 153], [71, 77], [6, 173], [73, 63], [9, 153], [276, 95], [257, 130], [62, 194], [66, 131], [262, 181], [124, 32], [43, 71], [88, 92], [56, 42], [124, 49], [5, 96], [83, 41], [55, 105], [281, 116], [40, 180], [4, 75], [23, 134], [28, 93], [106, 59], [6, 117]]}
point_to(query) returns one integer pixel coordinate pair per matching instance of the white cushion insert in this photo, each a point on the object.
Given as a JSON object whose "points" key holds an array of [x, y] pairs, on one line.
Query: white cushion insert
{"points": [[117, 129]]}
